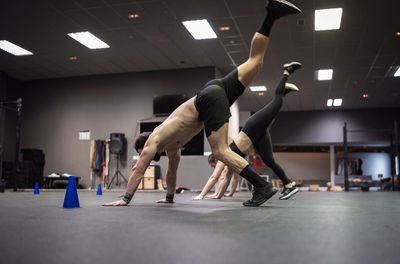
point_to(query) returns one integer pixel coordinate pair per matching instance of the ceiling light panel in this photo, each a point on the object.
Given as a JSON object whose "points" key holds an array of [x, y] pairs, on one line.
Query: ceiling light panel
{"points": [[89, 40], [13, 49], [397, 73], [325, 75], [337, 102], [200, 29], [258, 88], [328, 19]]}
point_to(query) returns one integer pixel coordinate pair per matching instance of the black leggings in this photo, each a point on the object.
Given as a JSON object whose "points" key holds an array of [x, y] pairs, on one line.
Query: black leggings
{"points": [[256, 128]]}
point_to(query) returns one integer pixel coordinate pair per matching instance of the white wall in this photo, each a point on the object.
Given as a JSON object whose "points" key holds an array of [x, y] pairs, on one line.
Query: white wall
{"points": [[306, 166], [374, 164]]}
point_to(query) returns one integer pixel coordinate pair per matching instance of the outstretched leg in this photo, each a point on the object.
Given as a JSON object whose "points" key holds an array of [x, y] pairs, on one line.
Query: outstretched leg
{"points": [[275, 10], [245, 74], [264, 148], [256, 128], [263, 190], [257, 124]]}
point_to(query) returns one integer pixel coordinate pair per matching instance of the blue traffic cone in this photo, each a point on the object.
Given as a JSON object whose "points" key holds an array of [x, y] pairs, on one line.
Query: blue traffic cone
{"points": [[99, 192], [36, 191], [71, 199]]}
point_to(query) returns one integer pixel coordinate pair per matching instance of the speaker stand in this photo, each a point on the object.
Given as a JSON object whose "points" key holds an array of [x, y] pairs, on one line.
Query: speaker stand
{"points": [[116, 174]]}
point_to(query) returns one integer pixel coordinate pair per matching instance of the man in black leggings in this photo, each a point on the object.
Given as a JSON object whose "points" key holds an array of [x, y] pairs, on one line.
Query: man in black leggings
{"points": [[255, 134], [209, 109]]}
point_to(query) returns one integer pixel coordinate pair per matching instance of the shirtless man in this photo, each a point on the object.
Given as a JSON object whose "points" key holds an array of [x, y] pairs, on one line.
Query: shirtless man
{"points": [[210, 109], [255, 134]]}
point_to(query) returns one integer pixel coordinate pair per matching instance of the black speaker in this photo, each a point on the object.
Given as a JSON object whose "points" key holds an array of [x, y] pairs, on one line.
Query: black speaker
{"points": [[117, 143]]}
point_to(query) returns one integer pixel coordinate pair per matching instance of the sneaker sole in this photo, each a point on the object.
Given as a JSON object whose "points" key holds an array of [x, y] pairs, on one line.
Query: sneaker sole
{"points": [[291, 86], [283, 2], [264, 200], [289, 195]]}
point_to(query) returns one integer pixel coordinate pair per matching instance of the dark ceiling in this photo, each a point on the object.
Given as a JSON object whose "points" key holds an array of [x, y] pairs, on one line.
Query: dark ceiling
{"points": [[363, 53]]}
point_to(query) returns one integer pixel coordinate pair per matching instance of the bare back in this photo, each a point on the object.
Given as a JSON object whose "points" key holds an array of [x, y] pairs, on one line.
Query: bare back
{"points": [[179, 128]]}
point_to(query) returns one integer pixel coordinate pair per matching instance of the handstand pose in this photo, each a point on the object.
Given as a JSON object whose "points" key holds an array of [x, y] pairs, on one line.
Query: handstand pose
{"points": [[255, 134], [209, 109]]}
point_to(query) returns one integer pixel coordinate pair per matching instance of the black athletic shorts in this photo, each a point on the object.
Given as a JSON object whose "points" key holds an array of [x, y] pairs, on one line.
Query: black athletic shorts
{"points": [[214, 100]]}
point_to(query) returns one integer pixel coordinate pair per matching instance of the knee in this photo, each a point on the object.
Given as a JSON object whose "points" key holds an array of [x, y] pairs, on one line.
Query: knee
{"points": [[218, 155], [257, 63]]}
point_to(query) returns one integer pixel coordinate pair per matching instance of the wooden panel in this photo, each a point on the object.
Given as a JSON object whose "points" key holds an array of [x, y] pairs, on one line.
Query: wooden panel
{"points": [[148, 183], [149, 172]]}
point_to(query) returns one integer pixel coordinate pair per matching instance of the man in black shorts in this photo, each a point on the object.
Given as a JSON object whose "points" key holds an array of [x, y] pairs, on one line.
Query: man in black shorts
{"points": [[209, 109], [255, 134]]}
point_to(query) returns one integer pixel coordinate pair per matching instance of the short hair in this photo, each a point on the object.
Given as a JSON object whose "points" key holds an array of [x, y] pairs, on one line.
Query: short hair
{"points": [[211, 159], [141, 140]]}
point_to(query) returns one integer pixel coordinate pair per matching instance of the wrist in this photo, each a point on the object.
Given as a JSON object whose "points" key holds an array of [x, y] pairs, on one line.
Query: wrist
{"points": [[169, 198], [127, 198]]}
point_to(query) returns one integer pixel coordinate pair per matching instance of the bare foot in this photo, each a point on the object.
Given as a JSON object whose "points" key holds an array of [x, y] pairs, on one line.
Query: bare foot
{"points": [[164, 201], [228, 195], [116, 203], [198, 197]]}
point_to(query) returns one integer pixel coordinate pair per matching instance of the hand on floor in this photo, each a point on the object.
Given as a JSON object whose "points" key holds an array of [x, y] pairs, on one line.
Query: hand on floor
{"points": [[213, 197], [198, 197], [116, 203]]}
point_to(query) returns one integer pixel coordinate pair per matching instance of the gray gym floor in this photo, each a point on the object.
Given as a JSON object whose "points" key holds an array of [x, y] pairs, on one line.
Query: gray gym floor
{"points": [[310, 228]]}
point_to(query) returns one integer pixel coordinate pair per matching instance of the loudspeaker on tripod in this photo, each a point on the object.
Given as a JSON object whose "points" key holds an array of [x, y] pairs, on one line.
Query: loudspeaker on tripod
{"points": [[117, 146], [117, 143]]}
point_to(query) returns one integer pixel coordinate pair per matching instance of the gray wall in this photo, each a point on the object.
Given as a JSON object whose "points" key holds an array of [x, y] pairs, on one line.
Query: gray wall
{"points": [[9, 91], [302, 165], [314, 167], [56, 110], [326, 127], [193, 171], [305, 166]]}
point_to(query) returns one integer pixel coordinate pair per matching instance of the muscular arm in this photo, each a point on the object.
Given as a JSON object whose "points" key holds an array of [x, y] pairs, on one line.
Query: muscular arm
{"points": [[223, 183], [211, 181], [137, 172], [235, 181], [173, 163]]}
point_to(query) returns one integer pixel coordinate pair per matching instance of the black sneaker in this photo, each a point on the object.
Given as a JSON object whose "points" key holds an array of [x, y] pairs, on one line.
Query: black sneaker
{"points": [[281, 8], [289, 192], [291, 67], [261, 195]]}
